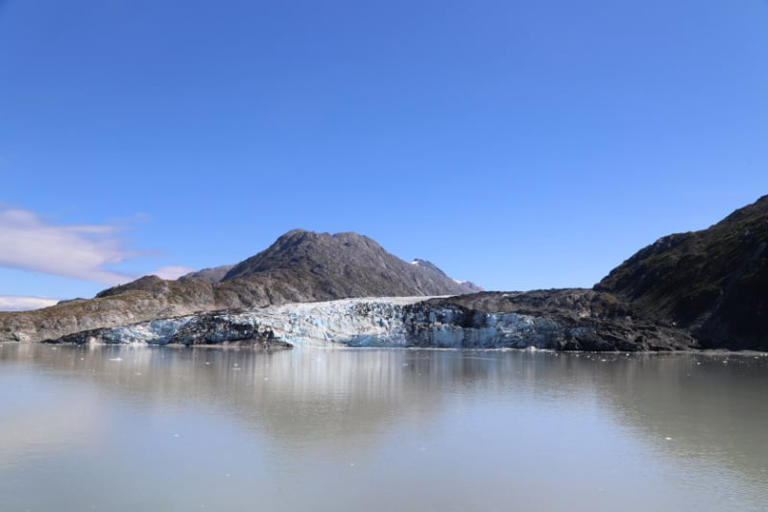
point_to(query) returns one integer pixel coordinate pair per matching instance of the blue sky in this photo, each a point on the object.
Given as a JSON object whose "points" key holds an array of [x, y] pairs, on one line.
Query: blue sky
{"points": [[518, 144]]}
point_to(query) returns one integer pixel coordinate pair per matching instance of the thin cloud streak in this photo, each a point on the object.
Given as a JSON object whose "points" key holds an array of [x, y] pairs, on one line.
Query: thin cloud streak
{"points": [[28, 242]]}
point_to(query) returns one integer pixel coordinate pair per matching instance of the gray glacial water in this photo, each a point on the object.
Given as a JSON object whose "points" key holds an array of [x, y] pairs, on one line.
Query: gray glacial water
{"points": [[177, 429]]}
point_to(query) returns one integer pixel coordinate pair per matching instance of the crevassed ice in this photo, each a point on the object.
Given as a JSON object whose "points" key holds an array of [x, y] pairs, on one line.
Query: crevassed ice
{"points": [[360, 322]]}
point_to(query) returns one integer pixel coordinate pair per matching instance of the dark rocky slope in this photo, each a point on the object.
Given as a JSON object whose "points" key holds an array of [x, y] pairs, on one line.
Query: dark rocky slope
{"points": [[712, 283], [568, 319], [300, 266]]}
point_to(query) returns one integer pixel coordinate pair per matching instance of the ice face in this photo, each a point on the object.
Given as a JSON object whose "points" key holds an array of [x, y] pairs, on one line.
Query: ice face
{"points": [[352, 322]]}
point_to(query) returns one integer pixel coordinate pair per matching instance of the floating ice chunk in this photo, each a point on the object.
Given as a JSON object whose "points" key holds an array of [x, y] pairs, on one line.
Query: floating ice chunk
{"points": [[116, 359]]}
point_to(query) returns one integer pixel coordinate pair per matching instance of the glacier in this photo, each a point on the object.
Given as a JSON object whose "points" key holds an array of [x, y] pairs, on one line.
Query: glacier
{"points": [[359, 322]]}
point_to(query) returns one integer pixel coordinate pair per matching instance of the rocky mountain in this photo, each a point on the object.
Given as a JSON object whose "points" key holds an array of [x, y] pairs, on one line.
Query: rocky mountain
{"points": [[299, 266], [703, 289], [713, 283], [303, 265]]}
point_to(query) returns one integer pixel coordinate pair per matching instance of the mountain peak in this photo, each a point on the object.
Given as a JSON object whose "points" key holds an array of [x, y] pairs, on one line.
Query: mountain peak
{"points": [[303, 249], [342, 265]]}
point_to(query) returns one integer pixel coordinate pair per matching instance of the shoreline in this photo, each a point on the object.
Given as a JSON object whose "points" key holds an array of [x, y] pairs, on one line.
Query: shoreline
{"points": [[334, 346]]}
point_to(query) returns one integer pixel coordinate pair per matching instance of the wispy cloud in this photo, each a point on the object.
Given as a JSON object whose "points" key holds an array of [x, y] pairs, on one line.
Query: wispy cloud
{"points": [[18, 303], [81, 251], [172, 271]]}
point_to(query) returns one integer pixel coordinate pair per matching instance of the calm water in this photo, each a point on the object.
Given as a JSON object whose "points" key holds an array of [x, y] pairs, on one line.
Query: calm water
{"points": [[172, 429]]}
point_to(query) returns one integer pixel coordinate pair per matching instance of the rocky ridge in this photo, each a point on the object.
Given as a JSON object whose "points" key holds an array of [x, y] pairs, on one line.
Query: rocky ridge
{"points": [[704, 289]]}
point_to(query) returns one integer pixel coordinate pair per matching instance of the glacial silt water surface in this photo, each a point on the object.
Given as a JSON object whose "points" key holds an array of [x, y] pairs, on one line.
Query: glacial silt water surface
{"points": [[176, 429]]}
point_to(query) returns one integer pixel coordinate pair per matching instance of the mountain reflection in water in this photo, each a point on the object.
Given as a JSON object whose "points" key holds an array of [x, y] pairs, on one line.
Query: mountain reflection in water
{"points": [[144, 428]]}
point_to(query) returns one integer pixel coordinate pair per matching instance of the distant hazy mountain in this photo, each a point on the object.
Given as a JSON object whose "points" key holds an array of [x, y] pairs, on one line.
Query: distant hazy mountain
{"points": [[299, 266], [212, 275], [430, 267]]}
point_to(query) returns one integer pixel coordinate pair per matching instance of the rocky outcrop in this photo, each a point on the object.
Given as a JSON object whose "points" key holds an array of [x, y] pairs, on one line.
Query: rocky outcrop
{"points": [[205, 328], [571, 319]]}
